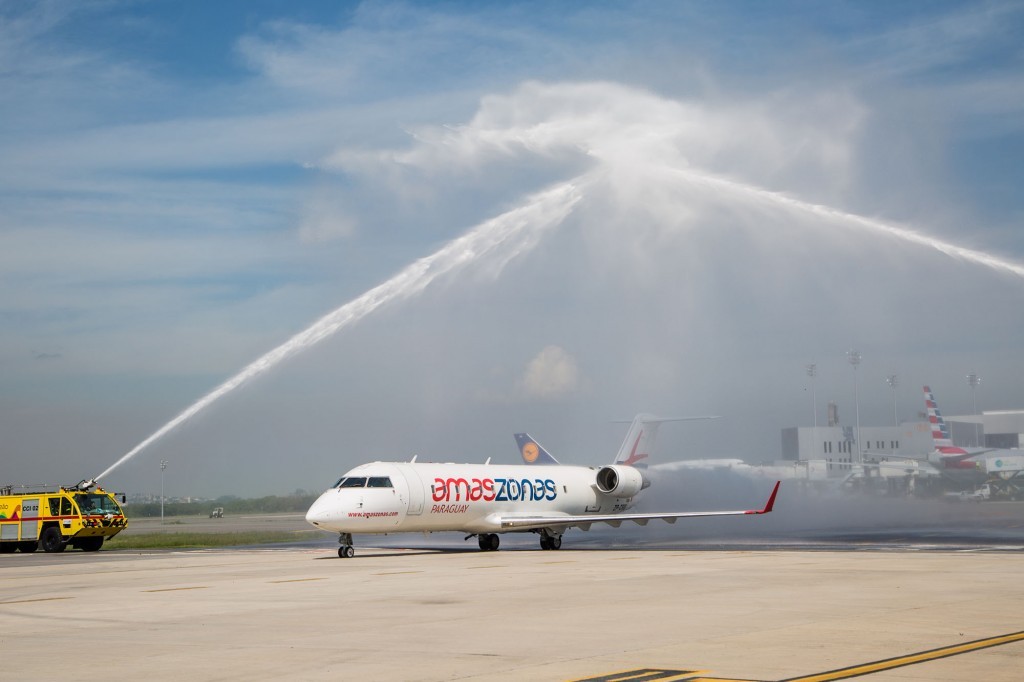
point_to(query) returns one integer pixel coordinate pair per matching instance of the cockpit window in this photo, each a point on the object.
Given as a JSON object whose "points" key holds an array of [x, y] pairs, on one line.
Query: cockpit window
{"points": [[379, 482], [352, 482]]}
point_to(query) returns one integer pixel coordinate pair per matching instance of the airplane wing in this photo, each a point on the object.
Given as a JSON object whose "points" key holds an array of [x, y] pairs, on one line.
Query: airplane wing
{"points": [[532, 521]]}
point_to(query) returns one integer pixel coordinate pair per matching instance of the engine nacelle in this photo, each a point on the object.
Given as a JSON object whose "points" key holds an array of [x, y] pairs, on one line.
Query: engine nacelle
{"points": [[620, 481]]}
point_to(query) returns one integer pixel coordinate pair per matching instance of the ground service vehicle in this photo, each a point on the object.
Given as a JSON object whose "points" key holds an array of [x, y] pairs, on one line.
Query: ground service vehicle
{"points": [[53, 518]]}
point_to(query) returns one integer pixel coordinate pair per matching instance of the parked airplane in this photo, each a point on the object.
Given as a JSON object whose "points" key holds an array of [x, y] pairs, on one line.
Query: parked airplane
{"points": [[485, 500], [944, 455]]}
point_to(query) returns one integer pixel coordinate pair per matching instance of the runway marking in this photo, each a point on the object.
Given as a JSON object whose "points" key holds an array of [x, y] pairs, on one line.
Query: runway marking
{"points": [[910, 659], [180, 589], [296, 580], [828, 676], [397, 572], [548, 563], [473, 567], [642, 675], [29, 601]]}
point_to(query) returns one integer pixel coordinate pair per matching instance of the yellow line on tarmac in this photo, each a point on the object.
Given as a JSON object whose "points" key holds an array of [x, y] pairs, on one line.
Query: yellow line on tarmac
{"points": [[911, 659], [29, 601], [296, 580], [180, 589]]}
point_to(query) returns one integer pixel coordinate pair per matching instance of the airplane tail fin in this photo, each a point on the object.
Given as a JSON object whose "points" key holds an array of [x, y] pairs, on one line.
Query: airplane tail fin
{"points": [[640, 438], [940, 430], [532, 451]]}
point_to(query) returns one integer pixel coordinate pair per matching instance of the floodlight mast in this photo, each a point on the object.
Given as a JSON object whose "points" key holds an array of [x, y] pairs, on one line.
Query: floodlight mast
{"points": [[163, 466], [973, 380], [812, 372], [893, 381], [854, 357]]}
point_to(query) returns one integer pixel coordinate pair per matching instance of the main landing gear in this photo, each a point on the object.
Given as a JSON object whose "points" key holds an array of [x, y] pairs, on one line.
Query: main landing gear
{"points": [[488, 542], [346, 551], [550, 540]]}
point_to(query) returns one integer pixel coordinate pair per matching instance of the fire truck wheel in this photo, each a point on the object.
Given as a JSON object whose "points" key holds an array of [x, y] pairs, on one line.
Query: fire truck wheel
{"points": [[51, 540], [90, 544], [8, 547], [28, 546]]}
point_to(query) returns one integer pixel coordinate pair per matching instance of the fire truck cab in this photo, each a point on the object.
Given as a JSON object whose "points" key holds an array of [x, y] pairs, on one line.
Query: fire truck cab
{"points": [[53, 518]]}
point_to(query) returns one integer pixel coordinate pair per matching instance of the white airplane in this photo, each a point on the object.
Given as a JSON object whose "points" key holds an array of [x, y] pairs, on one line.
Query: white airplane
{"points": [[485, 500], [945, 455]]}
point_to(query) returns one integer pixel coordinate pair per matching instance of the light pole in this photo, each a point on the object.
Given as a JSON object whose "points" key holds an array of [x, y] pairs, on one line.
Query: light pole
{"points": [[893, 381], [163, 465], [812, 371], [854, 357], [973, 380]]}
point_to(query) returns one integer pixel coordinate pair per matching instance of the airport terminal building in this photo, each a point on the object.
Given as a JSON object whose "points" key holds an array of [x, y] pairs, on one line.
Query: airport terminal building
{"points": [[837, 444]]}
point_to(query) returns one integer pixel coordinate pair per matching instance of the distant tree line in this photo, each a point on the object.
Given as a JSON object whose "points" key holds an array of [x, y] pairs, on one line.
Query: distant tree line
{"points": [[232, 505]]}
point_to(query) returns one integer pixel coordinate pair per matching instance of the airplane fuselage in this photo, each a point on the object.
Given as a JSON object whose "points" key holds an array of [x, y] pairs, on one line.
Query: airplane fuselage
{"points": [[392, 497]]}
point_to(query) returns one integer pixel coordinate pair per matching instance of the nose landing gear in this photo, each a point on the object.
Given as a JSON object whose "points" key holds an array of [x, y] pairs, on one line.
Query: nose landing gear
{"points": [[346, 551]]}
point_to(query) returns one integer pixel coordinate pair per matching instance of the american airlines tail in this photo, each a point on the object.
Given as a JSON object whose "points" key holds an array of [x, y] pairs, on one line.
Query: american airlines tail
{"points": [[950, 455], [940, 431]]}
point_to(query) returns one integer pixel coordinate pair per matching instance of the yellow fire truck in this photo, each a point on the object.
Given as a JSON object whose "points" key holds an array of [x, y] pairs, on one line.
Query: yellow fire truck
{"points": [[53, 518]]}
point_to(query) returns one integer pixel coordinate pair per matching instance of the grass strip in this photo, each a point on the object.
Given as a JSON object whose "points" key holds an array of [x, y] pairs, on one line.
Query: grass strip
{"points": [[181, 540]]}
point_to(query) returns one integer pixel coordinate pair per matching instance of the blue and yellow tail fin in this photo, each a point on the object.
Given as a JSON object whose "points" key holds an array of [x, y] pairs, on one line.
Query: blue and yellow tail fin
{"points": [[532, 451]]}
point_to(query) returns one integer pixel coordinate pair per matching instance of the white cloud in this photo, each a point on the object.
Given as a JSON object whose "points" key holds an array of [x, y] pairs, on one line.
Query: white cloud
{"points": [[552, 374]]}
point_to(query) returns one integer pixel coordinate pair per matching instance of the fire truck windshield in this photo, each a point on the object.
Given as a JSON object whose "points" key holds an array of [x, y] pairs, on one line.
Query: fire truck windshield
{"points": [[96, 504]]}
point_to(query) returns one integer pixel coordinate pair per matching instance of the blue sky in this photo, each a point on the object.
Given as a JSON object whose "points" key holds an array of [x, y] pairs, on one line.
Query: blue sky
{"points": [[185, 185]]}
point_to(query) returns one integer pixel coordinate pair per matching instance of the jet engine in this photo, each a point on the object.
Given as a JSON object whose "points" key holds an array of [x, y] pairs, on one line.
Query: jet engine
{"points": [[620, 481]]}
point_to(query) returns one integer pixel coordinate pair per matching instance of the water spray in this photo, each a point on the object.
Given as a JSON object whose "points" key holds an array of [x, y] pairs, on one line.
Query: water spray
{"points": [[903, 233], [517, 231], [503, 237]]}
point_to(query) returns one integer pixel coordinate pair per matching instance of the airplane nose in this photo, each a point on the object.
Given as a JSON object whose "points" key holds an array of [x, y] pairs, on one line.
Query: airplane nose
{"points": [[319, 513]]}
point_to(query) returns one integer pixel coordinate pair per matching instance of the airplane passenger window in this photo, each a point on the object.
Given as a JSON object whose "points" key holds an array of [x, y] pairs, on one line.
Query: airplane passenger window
{"points": [[379, 482], [353, 482]]}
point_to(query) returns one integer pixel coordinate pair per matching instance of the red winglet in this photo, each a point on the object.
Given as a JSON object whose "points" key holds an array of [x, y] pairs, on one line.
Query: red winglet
{"points": [[771, 502]]}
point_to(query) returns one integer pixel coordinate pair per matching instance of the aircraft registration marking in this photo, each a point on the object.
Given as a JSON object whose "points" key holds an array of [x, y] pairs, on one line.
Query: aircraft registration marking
{"points": [[828, 676]]}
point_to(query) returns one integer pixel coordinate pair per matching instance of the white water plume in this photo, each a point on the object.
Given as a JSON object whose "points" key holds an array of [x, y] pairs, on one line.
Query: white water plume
{"points": [[643, 147], [502, 238], [832, 214]]}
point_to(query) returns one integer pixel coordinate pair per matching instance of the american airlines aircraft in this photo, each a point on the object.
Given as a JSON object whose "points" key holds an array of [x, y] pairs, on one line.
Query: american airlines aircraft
{"points": [[485, 500], [945, 455]]}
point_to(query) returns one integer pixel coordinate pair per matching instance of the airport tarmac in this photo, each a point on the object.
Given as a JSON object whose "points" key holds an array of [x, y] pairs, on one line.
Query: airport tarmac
{"points": [[518, 614]]}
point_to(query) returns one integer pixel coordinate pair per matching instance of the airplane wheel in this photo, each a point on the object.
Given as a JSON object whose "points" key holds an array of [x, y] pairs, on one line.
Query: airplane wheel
{"points": [[346, 551], [488, 542], [555, 543], [545, 542], [495, 541]]}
